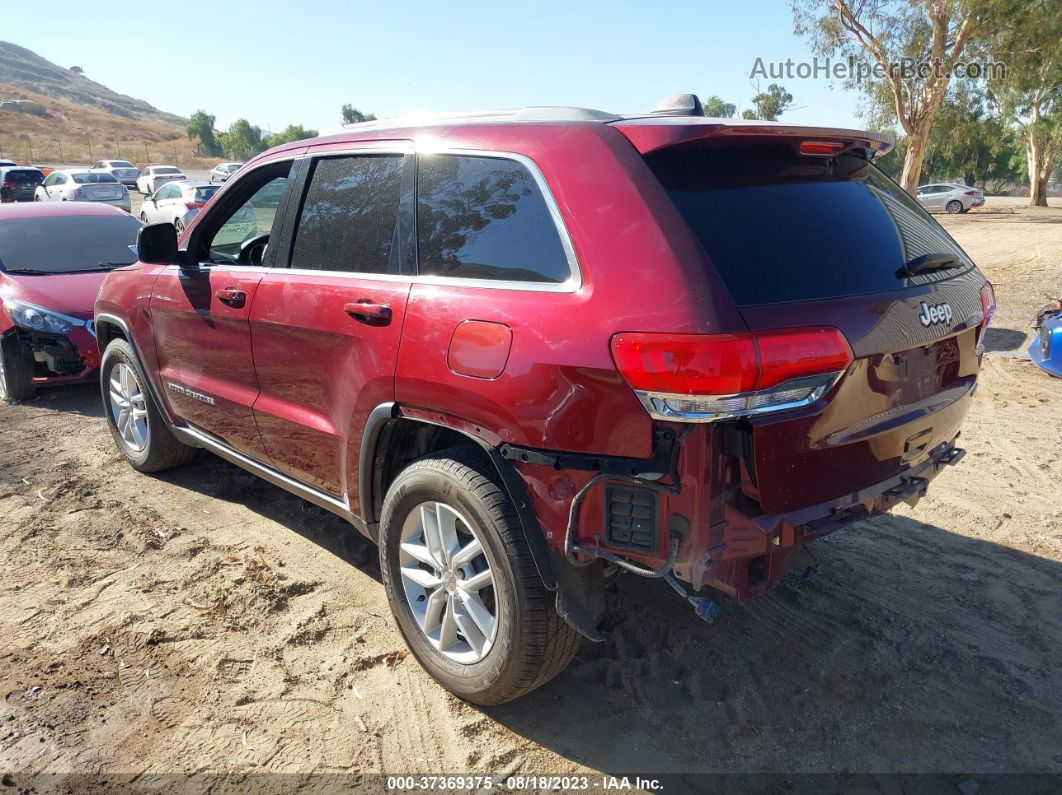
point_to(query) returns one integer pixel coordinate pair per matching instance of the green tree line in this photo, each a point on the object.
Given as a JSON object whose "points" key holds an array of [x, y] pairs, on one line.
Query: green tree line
{"points": [[243, 140], [995, 126]]}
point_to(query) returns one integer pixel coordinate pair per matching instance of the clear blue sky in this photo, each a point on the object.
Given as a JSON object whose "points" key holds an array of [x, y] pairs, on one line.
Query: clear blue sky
{"points": [[277, 63]]}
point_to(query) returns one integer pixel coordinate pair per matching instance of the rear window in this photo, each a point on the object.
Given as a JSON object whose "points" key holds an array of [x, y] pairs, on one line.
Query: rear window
{"points": [[121, 164], [29, 176], [203, 194], [165, 171], [779, 227], [95, 177], [62, 244], [485, 218]]}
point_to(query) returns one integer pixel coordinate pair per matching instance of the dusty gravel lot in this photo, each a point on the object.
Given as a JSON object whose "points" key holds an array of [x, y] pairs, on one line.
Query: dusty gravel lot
{"points": [[205, 621]]}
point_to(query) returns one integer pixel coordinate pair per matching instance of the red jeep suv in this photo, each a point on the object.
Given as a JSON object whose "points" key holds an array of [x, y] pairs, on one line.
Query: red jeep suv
{"points": [[523, 351]]}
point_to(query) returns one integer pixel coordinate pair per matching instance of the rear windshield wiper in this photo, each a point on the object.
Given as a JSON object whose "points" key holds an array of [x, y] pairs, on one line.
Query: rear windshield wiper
{"points": [[930, 262]]}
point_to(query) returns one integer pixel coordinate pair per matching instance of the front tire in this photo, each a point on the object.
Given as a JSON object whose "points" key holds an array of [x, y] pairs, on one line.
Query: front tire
{"points": [[138, 428], [16, 372], [462, 583], [954, 206]]}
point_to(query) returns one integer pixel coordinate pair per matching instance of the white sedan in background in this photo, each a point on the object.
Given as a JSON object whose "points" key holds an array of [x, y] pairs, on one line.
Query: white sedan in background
{"points": [[177, 203], [950, 198], [122, 170], [222, 171], [82, 185], [154, 177]]}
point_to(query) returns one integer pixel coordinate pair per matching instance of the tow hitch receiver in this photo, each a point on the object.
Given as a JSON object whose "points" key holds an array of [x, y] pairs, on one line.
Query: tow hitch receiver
{"points": [[910, 491], [952, 455]]}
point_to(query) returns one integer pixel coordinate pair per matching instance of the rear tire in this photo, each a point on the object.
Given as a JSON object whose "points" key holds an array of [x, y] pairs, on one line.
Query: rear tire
{"points": [[16, 372], [530, 643], [954, 206], [178, 224], [153, 448]]}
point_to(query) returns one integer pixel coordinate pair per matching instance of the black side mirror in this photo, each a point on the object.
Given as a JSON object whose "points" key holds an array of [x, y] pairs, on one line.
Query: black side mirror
{"points": [[156, 244]]}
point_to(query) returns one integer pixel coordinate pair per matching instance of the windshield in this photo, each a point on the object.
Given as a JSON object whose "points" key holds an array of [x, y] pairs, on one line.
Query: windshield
{"points": [[83, 179], [62, 244], [779, 227], [166, 171]]}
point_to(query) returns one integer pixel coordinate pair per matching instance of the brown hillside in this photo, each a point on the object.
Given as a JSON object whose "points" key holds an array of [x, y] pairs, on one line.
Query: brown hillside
{"points": [[81, 120]]}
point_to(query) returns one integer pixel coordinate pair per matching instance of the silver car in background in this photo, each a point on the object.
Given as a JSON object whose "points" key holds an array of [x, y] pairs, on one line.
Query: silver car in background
{"points": [[222, 171], [82, 185], [122, 170], [948, 198]]}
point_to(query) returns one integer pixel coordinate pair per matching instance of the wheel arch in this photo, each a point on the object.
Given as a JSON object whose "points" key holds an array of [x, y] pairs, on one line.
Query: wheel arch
{"points": [[111, 327], [392, 439]]}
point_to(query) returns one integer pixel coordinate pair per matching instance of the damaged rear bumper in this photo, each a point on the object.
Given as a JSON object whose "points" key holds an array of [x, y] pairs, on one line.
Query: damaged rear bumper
{"points": [[755, 551]]}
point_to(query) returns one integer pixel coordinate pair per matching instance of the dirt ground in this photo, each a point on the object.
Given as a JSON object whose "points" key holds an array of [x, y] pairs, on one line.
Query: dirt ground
{"points": [[206, 621]]}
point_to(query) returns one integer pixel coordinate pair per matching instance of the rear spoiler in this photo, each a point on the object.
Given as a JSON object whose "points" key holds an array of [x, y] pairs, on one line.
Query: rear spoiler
{"points": [[652, 133]]}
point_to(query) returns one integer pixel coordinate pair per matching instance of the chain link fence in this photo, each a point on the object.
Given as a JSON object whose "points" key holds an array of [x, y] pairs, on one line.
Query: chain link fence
{"points": [[72, 150]]}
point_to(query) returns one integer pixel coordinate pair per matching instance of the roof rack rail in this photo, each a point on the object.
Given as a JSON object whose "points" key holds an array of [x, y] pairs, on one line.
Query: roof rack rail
{"points": [[544, 113]]}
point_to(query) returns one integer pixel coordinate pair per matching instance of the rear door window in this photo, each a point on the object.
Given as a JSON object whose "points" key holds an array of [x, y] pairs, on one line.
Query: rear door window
{"points": [[349, 219], [485, 218], [779, 227]]}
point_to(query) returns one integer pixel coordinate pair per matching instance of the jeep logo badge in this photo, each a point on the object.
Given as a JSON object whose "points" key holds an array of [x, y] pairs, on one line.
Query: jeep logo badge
{"points": [[938, 313]]}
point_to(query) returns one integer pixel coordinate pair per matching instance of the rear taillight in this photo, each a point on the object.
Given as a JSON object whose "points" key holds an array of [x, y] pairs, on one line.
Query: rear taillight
{"points": [[708, 377], [7, 184], [971, 193], [192, 205], [79, 193]]}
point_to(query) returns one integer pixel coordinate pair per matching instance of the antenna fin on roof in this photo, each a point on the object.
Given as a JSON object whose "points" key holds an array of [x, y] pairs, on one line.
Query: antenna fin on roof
{"points": [[680, 105]]}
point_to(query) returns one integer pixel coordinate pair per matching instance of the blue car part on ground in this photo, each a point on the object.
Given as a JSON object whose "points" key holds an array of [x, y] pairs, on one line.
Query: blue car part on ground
{"points": [[1046, 349]]}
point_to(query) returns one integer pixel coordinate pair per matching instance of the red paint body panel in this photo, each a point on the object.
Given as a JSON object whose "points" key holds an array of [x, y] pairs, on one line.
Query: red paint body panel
{"points": [[205, 345], [321, 371], [557, 392], [72, 294]]}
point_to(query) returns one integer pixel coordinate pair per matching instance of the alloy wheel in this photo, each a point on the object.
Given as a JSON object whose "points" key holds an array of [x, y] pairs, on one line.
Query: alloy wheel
{"points": [[448, 582], [129, 407]]}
